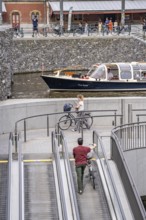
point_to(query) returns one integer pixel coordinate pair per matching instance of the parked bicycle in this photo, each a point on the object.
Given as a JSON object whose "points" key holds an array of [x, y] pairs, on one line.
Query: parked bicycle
{"points": [[69, 119], [78, 31], [90, 165], [125, 30], [18, 32], [58, 31]]}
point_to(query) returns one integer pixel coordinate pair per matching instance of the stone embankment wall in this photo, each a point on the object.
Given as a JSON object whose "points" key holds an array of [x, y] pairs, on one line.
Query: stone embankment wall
{"points": [[53, 53], [6, 67], [28, 55]]}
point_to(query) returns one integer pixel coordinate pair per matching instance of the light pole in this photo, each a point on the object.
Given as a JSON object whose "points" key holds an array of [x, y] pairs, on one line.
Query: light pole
{"points": [[69, 18], [61, 16], [122, 12]]}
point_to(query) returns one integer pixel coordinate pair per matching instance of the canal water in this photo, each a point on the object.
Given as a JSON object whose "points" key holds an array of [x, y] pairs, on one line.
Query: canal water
{"points": [[31, 85]]}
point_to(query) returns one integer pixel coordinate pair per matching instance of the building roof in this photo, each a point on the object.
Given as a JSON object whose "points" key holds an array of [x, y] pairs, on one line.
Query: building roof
{"points": [[100, 6]]}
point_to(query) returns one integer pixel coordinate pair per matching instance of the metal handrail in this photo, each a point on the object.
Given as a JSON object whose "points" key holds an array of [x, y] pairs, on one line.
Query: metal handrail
{"points": [[115, 115], [97, 136], [9, 177], [130, 135], [140, 208], [21, 189], [66, 159], [59, 176]]}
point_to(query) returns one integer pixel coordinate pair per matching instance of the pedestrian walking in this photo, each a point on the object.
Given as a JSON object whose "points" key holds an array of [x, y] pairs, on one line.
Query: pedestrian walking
{"points": [[80, 154]]}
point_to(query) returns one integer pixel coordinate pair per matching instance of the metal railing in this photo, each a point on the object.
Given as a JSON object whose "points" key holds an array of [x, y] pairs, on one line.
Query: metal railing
{"points": [[100, 151], [21, 185], [65, 155], [9, 176], [114, 117], [92, 29], [59, 176], [131, 136], [129, 185]]}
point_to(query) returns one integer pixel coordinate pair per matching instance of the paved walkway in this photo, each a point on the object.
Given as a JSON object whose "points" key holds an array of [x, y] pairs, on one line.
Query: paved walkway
{"points": [[136, 32]]}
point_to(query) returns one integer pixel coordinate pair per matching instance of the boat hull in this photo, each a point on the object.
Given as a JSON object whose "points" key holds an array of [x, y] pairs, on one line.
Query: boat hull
{"points": [[64, 84]]}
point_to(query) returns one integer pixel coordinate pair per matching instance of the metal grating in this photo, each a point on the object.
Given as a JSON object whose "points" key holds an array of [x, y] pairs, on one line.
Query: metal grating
{"points": [[92, 203], [3, 190], [40, 193]]}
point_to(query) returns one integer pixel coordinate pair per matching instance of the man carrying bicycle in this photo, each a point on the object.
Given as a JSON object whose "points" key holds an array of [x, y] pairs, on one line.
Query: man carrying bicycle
{"points": [[80, 154]]}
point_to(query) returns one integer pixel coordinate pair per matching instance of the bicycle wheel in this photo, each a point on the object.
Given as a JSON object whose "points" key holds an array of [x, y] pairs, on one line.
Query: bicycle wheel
{"points": [[66, 33], [55, 33], [64, 122], [92, 178], [93, 32], [87, 121], [77, 33]]}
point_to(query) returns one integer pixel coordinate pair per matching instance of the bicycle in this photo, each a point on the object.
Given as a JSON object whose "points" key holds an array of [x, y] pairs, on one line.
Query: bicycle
{"points": [[93, 31], [69, 119], [18, 33], [58, 31], [125, 30], [78, 32], [91, 168]]}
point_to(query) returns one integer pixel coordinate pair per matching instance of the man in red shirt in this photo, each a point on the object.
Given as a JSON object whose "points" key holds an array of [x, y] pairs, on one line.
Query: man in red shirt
{"points": [[80, 154]]}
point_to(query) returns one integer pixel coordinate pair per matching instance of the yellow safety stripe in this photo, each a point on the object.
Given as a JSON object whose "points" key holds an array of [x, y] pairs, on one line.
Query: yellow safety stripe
{"points": [[3, 161], [37, 160]]}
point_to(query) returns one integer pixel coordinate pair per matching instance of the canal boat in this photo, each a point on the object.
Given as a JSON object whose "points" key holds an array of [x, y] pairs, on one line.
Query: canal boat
{"points": [[100, 77]]}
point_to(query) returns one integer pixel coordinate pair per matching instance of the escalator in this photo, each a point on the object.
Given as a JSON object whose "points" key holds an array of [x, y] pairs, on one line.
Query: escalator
{"points": [[40, 198], [3, 189], [92, 203]]}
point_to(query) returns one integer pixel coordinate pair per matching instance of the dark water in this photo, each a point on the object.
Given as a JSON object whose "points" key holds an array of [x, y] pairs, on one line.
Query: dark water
{"points": [[31, 85]]}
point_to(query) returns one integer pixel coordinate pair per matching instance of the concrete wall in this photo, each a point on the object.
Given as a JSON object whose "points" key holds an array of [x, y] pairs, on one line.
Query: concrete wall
{"points": [[136, 162], [13, 110]]}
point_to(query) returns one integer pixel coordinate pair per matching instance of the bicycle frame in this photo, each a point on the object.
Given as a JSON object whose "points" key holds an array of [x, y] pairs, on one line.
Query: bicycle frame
{"points": [[91, 172]]}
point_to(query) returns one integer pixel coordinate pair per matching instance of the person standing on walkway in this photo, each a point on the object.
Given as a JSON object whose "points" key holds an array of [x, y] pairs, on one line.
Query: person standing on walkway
{"points": [[35, 25], [80, 154], [99, 26], [110, 26], [106, 23], [86, 28], [79, 107], [144, 25]]}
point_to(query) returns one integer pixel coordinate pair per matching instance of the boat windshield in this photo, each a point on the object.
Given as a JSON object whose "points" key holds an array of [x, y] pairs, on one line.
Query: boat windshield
{"points": [[125, 71], [99, 72], [92, 70]]}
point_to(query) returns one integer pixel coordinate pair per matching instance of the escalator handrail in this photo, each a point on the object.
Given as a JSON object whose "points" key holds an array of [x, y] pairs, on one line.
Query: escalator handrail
{"points": [[66, 157], [95, 133], [59, 176], [9, 176]]}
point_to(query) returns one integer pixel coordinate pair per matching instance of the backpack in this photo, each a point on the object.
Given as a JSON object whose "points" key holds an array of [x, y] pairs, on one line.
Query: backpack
{"points": [[67, 107]]}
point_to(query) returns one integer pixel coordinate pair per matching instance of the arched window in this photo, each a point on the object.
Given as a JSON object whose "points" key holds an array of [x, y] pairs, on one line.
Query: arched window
{"points": [[15, 19]]}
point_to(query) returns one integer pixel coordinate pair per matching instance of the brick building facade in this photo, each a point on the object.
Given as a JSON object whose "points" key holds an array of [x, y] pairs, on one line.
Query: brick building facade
{"points": [[22, 11]]}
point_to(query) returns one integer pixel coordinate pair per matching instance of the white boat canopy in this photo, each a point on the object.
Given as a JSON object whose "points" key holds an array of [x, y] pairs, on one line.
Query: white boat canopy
{"points": [[118, 71]]}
